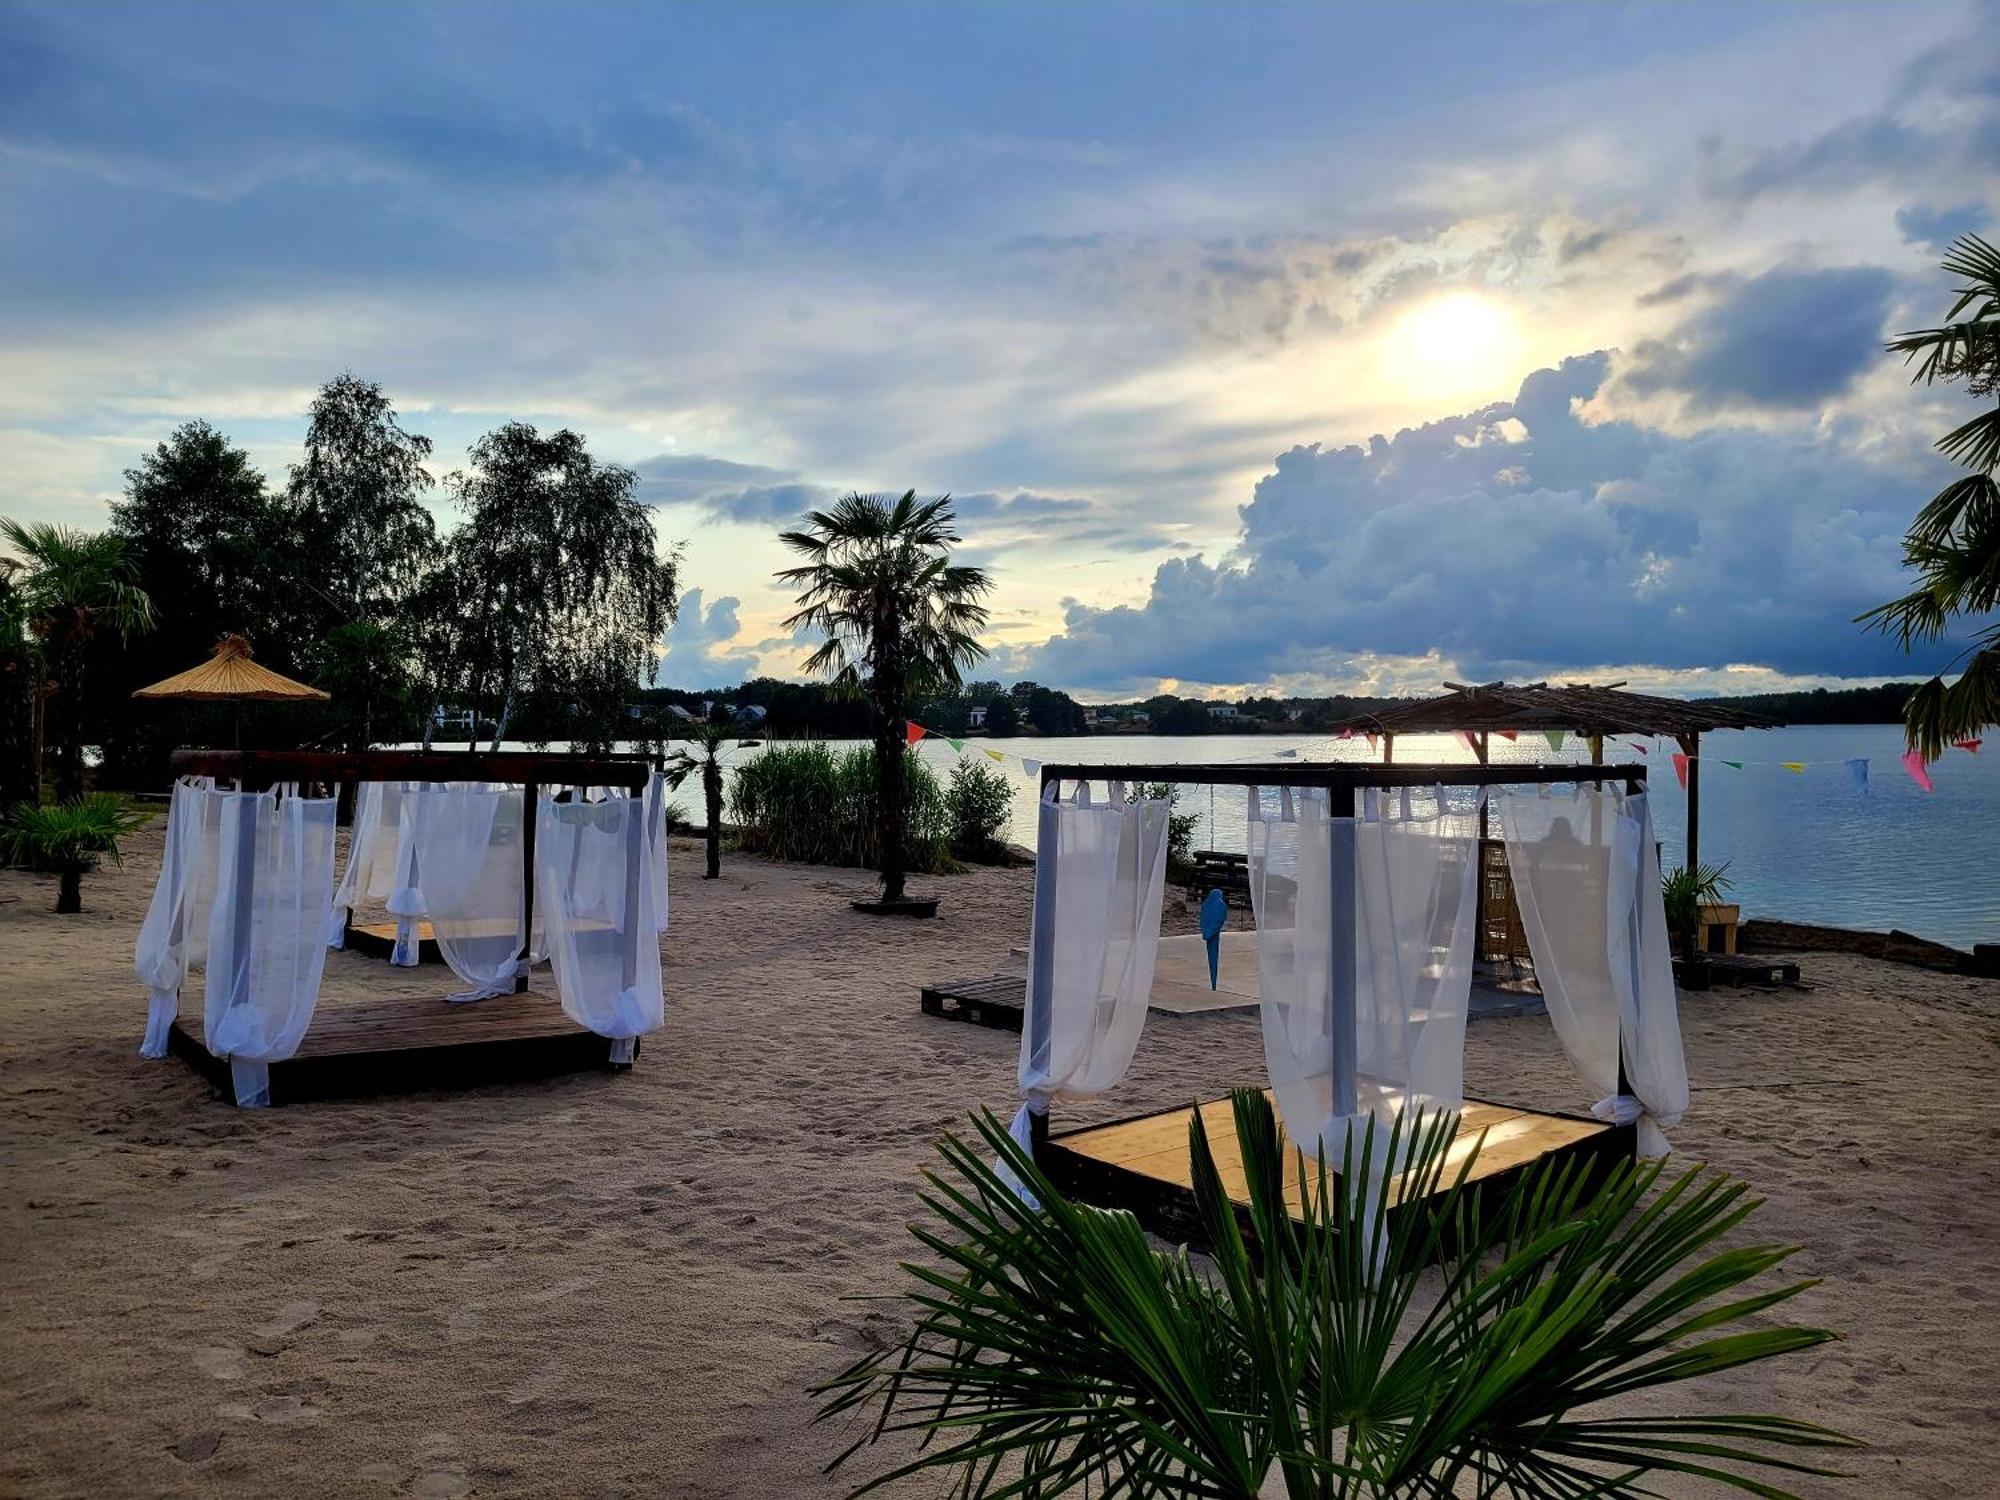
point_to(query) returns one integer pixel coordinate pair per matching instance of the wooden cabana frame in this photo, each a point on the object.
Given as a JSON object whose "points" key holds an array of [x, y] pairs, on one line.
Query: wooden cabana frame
{"points": [[1591, 713], [395, 1044], [1124, 1163]]}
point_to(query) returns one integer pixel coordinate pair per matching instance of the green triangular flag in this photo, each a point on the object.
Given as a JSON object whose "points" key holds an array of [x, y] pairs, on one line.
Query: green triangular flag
{"points": [[1555, 737], [958, 745], [1736, 763]]}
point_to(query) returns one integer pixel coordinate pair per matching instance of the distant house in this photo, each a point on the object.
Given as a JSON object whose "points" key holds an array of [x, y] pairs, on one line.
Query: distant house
{"points": [[675, 711], [750, 713], [1139, 717], [975, 718], [1089, 717], [1223, 711]]}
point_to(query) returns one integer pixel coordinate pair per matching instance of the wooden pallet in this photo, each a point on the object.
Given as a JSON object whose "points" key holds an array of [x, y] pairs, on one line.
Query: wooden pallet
{"points": [[1142, 1164], [998, 1000], [408, 1043], [1734, 969]]}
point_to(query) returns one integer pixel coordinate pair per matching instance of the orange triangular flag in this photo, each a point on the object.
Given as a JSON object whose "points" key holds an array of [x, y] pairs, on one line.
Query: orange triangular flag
{"points": [[1970, 747], [913, 731]]}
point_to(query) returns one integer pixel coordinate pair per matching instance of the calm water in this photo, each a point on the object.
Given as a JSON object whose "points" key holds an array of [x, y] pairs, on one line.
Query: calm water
{"points": [[1807, 847]]}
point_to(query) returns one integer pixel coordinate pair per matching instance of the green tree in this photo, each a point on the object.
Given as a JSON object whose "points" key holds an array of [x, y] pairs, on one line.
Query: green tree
{"points": [[705, 759], [74, 585], [217, 555], [1053, 1351], [1954, 543], [363, 540], [22, 676], [366, 668], [553, 592], [899, 618], [1002, 718]]}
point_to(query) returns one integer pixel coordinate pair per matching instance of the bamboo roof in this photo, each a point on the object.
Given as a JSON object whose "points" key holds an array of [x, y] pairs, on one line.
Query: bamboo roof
{"points": [[1577, 708], [230, 674]]}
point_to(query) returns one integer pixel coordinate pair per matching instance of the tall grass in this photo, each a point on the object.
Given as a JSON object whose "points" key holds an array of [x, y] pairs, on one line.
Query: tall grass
{"points": [[816, 805]]}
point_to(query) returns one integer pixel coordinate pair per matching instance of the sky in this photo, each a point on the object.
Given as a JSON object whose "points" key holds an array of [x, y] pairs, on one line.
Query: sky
{"points": [[1265, 348]]}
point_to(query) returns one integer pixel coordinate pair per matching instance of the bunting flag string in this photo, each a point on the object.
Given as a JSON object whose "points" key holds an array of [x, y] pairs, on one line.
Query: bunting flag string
{"points": [[1913, 763]]}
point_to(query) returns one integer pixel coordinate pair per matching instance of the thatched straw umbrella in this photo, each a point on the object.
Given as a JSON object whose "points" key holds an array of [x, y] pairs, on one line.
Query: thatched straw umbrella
{"points": [[231, 676]]}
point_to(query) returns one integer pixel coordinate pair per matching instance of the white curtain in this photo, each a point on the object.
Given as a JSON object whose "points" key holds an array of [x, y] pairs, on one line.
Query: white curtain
{"points": [[266, 936], [594, 890], [1587, 879], [1364, 1017], [405, 901], [468, 842], [656, 835], [174, 936], [1100, 872], [371, 851]]}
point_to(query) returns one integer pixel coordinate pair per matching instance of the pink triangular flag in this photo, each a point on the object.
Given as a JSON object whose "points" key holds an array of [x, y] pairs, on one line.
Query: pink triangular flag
{"points": [[1347, 734], [1970, 747], [1913, 762], [1465, 738], [1681, 768], [1371, 744]]}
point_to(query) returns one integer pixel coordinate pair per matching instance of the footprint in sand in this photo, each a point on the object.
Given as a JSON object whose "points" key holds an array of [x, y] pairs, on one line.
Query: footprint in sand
{"points": [[219, 1363], [275, 1336], [440, 1468], [535, 1386], [275, 1411]]}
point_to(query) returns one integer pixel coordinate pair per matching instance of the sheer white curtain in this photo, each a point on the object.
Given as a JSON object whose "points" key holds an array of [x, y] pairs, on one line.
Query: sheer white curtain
{"points": [[1365, 930], [594, 890], [174, 936], [1100, 872], [267, 934], [1587, 880], [370, 855], [405, 900], [656, 835], [468, 842]]}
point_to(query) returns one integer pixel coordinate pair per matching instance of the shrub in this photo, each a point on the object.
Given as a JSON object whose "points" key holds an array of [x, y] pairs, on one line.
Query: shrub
{"points": [[66, 838], [815, 805], [981, 804]]}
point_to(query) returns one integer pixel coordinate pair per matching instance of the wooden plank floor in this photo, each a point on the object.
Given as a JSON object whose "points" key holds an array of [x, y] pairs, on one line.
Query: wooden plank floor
{"points": [[1143, 1163], [407, 1042], [378, 940]]}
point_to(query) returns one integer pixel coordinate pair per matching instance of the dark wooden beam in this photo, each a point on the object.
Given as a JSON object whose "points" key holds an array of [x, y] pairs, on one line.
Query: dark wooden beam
{"points": [[1348, 775], [258, 769]]}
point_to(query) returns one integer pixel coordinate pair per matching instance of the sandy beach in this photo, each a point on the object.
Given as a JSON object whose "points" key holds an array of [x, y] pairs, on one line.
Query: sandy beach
{"points": [[625, 1285]]}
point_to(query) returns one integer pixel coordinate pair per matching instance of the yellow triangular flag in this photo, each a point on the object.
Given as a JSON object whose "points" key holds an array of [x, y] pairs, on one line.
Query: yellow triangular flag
{"points": [[994, 753], [1796, 766]]}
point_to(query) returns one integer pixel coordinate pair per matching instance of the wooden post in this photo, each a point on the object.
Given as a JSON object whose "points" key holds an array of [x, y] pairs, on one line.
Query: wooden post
{"points": [[1388, 748], [1691, 748], [531, 801], [1341, 971]]}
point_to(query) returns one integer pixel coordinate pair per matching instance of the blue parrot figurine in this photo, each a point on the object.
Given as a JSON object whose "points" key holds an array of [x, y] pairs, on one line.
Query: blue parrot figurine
{"points": [[1214, 912]]}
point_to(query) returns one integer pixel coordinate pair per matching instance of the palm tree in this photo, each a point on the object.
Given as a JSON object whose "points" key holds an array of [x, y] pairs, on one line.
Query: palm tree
{"points": [[1054, 1351], [1954, 543], [68, 837], [73, 584], [899, 620], [708, 740]]}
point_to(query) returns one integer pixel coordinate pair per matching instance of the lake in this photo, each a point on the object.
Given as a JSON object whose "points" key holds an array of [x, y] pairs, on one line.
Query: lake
{"points": [[1807, 847]]}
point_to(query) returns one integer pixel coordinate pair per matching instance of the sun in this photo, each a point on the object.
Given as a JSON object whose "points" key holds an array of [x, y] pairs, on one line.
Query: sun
{"points": [[1462, 345]]}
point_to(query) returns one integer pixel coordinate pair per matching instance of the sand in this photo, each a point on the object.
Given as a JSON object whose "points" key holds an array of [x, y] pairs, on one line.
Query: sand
{"points": [[625, 1285]]}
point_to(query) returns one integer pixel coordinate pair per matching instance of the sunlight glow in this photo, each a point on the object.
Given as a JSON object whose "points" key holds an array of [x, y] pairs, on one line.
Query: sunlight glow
{"points": [[1460, 346]]}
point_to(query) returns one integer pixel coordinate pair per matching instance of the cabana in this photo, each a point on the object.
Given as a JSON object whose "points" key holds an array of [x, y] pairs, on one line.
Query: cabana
{"points": [[1591, 713], [1362, 882], [512, 858]]}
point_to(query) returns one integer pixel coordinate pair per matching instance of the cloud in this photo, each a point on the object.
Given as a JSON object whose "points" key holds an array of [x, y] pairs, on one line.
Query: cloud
{"points": [[1788, 339], [1936, 228], [1522, 540], [697, 645]]}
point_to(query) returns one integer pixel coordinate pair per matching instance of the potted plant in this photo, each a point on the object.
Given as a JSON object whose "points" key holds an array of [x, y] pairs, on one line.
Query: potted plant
{"points": [[1687, 892]]}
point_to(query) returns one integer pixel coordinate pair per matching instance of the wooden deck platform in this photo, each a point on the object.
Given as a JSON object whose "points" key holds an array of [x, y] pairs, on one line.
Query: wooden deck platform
{"points": [[398, 1044], [1142, 1164]]}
